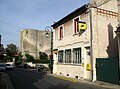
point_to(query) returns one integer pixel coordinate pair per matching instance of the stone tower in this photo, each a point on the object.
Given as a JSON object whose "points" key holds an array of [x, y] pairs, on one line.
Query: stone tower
{"points": [[33, 41]]}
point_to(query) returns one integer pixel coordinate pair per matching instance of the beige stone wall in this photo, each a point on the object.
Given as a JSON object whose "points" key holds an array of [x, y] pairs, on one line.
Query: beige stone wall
{"points": [[69, 38], [104, 25], [119, 9], [33, 41], [104, 22], [29, 38], [70, 41], [106, 4], [104, 37], [70, 71]]}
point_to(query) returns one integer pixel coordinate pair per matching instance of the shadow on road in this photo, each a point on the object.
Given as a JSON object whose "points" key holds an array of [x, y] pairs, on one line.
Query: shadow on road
{"points": [[61, 86], [24, 78]]}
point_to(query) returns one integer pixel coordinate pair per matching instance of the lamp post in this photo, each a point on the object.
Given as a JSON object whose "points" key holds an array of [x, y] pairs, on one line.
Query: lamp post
{"points": [[0, 39], [118, 35], [48, 30]]}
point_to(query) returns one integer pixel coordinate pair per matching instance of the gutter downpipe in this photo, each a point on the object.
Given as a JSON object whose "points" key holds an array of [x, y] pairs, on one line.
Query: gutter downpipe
{"points": [[91, 44], [91, 39]]}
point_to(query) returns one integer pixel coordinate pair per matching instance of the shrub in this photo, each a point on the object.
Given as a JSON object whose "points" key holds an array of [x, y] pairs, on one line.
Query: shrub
{"points": [[29, 58], [18, 62], [8, 58], [41, 61]]}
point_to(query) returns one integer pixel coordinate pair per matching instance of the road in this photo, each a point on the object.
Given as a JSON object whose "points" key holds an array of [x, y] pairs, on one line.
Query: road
{"points": [[31, 79]]}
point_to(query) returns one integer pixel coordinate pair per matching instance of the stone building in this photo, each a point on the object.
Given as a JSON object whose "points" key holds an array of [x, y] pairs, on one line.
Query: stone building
{"points": [[33, 41], [76, 49], [2, 50]]}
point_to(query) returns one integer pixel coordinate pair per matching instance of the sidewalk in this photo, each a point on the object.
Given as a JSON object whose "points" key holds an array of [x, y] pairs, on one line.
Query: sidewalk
{"points": [[5, 82], [96, 83]]}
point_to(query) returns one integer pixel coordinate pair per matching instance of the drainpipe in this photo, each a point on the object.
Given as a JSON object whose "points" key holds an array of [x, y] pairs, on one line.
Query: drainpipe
{"points": [[91, 44], [91, 38]]}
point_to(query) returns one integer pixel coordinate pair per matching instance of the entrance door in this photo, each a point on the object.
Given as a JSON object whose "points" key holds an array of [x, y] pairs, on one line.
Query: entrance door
{"points": [[88, 63]]}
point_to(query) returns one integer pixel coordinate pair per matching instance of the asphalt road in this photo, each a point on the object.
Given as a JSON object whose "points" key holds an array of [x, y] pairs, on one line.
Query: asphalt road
{"points": [[31, 79]]}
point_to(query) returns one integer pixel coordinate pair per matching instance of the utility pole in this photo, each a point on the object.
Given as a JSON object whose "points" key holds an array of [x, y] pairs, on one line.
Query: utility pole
{"points": [[0, 39]]}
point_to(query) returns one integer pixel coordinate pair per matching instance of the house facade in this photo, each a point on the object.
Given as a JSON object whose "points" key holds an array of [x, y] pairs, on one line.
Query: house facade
{"points": [[33, 41], [82, 36]]}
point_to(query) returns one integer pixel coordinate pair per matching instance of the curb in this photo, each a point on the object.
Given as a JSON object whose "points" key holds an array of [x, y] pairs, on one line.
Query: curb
{"points": [[67, 78], [95, 83]]}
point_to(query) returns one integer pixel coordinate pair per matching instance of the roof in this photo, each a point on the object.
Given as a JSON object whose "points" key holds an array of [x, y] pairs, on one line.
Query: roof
{"points": [[70, 16]]}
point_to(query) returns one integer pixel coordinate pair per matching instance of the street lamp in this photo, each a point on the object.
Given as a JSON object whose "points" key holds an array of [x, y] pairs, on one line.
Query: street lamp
{"points": [[118, 35], [49, 30]]}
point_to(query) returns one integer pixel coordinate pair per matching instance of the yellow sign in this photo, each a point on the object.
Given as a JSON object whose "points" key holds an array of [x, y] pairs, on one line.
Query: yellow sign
{"points": [[88, 67], [82, 64], [55, 51], [82, 26]]}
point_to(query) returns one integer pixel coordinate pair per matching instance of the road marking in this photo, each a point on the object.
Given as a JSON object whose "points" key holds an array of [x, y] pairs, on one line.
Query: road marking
{"points": [[66, 78]]}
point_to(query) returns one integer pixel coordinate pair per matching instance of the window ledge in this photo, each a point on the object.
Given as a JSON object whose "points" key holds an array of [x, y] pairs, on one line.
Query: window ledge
{"points": [[60, 39], [76, 34], [74, 64]]}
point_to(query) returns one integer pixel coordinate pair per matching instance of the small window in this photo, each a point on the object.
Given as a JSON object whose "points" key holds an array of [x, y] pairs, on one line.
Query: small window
{"points": [[68, 56], [76, 25], [26, 32], [60, 56], [61, 32]]}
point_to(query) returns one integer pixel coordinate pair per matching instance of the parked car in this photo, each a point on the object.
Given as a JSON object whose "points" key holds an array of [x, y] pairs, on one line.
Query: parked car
{"points": [[9, 67], [42, 69], [24, 65], [2, 67]]}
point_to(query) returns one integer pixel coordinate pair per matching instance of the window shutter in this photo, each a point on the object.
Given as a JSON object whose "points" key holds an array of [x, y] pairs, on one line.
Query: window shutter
{"points": [[61, 32]]}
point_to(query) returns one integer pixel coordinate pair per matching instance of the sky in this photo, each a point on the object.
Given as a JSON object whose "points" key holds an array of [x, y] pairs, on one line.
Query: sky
{"points": [[16, 15]]}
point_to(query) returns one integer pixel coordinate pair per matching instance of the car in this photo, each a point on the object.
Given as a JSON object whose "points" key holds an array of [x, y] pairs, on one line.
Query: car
{"points": [[42, 69], [2, 67], [9, 67]]}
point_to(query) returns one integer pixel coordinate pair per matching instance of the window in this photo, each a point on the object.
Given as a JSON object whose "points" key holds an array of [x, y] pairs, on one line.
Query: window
{"points": [[60, 56], [77, 55], [68, 56], [26, 32], [76, 25], [61, 32]]}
